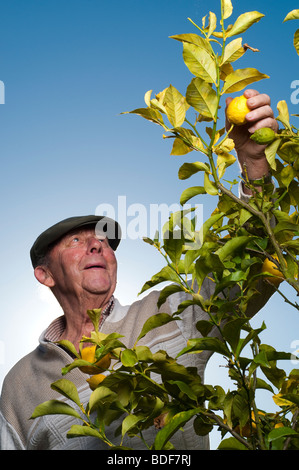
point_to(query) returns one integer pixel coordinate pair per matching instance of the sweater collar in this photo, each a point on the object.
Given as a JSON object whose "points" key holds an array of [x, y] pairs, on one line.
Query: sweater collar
{"points": [[57, 327]]}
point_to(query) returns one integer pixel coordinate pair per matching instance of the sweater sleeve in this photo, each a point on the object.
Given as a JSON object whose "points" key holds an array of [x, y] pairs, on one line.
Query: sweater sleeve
{"points": [[9, 438]]}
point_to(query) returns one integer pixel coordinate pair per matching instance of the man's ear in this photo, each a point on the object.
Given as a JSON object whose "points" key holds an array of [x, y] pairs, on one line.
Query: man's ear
{"points": [[44, 276]]}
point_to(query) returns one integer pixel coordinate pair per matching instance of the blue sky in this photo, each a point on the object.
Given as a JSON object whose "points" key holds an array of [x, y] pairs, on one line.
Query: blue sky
{"points": [[69, 69]]}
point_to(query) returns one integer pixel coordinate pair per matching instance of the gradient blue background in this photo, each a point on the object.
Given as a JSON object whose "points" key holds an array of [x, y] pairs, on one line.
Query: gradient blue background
{"points": [[69, 69]]}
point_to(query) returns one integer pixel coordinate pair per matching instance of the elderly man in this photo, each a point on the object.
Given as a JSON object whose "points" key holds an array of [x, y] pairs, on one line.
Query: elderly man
{"points": [[78, 264]]}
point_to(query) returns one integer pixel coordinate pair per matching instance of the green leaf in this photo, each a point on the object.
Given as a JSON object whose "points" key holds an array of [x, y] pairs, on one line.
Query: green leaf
{"points": [[191, 192], [281, 432], [100, 396], [95, 316], [54, 407], [287, 175], [244, 22], [202, 97], [231, 443], [189, 169], [154, 322], [166, 274], [232, 330], [175, 106], [233, 245], [68, 389], [199, 62], [184, 388], [204, 327], [206, 265], [143, 354], [69, 346], [292, 15], [129, 422], [210, 222], [201, 426], [262, 384], [240, 78], [210, 186], [175, 423], [174, 246], [197, 345], [78, 430], [128, 358], [167, 291], [233, 51]]}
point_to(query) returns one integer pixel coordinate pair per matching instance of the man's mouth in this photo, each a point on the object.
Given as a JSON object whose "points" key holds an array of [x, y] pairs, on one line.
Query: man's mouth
{"points": [[94, 266]]}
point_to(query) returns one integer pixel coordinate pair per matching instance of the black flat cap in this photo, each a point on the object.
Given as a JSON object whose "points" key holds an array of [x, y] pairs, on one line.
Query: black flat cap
{"points": [[103, 224]]}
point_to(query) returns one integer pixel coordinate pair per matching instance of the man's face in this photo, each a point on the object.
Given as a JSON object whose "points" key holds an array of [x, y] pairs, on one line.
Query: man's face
{"points": [[82, 263]]}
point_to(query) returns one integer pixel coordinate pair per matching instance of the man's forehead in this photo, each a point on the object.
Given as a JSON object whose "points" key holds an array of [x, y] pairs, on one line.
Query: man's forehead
{"points": [[93, 229]]}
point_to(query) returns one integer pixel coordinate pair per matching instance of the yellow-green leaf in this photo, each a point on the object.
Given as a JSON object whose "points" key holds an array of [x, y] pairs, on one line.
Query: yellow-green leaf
{"points": [[210, 186], [192, 38], [53, 407], [270, 152], [244, 22], [240, 78], [191, 192], [189, 169], [224, 160], [68, 389], [148, 113], [227, 8], [202, 97], [284, 116], [292, 15], [287, 175], [175, 106], [212, 23], [180, 148], [147, 98], [233, 51], [199, 62]]}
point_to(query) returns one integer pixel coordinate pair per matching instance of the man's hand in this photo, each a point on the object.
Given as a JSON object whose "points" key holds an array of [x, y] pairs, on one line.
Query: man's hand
{"points": [[250, 153]]}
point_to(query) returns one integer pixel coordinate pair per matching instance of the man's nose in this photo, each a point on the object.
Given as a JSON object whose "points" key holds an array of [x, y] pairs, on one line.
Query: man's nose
{"points": [[94, 244]]}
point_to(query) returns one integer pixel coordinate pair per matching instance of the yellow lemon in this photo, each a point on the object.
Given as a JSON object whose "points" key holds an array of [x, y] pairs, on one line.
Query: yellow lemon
{"points": [[237, 110], [247, 430], [88, 354], [269, 267], [95, 380]]}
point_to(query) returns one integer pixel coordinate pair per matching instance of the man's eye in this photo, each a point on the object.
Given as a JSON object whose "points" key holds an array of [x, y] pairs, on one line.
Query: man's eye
{"points": [[76, 239]]}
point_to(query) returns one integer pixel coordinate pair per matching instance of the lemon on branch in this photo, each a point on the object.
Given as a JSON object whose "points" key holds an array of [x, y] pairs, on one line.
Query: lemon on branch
{"points": [[88, 354], [237, 110], [95, 380], [271, 268]]}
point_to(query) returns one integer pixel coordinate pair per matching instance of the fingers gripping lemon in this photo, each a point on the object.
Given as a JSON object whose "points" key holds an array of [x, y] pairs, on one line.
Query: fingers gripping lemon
{"points": [[237, 110]]}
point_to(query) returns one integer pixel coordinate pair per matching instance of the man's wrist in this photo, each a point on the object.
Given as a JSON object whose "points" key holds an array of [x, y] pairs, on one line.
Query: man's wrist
{"points": [[254, 169], [265, 179]]}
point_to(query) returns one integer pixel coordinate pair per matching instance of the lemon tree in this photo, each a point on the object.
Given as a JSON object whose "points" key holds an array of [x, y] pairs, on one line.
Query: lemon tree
{"points": [[236, 248]]}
